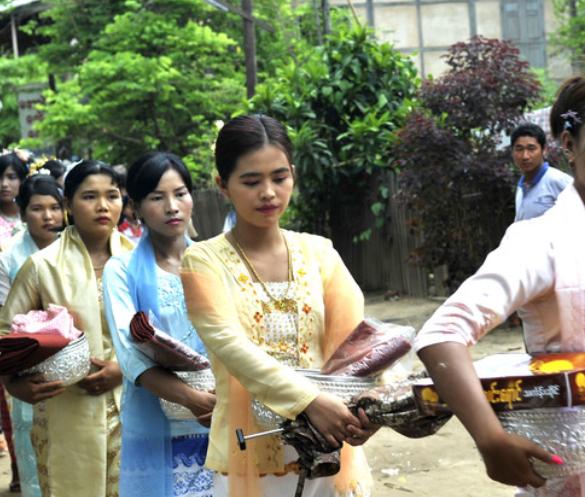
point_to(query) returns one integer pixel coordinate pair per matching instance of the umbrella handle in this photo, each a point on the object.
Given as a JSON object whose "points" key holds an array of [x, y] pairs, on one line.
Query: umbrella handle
{"points": [[243, 438], [301, 482]]}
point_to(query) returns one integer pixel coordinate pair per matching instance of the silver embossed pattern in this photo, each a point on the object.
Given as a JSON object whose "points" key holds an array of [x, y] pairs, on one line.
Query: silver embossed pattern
{"points": [[69, 365], [345, 387], [199, 380], [560, 430]]}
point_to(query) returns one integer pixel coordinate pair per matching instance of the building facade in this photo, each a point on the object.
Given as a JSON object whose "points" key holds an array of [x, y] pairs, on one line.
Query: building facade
{"points": [[426, 28]]}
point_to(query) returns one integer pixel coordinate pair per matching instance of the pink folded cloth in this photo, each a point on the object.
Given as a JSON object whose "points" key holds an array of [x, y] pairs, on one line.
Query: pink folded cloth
{"points": [[54, 320]]}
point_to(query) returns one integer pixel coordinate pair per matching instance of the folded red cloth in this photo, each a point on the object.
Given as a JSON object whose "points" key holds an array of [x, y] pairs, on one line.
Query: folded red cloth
{"points": [[162, 348], [20, 351], [369, 349]]}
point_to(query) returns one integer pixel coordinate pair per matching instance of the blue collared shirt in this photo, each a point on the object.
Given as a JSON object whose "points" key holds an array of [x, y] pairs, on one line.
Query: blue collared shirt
{"points": [[535, 199]]}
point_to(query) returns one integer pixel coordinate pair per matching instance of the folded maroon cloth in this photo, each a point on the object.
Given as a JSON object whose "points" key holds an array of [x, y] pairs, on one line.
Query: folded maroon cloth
{"points": [[20, 351], [369, 349], [162, 348]]}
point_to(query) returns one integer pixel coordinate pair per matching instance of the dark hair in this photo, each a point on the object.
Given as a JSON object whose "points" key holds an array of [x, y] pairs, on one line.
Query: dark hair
{"points": [[122, 174], [246, 134], [86, 168], [39, 184], [145, 173], [12, 160], [55, 167], [531, 130], [568, 111]]}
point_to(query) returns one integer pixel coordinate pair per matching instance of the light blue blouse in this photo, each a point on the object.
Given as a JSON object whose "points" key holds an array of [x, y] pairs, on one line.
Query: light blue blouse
{"points": [[172, 319], [21, 247], [146, 457]]}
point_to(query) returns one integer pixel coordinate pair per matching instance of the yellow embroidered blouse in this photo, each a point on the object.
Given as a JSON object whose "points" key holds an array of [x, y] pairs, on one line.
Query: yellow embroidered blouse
{"points": [[76, 427], [229, 313]]}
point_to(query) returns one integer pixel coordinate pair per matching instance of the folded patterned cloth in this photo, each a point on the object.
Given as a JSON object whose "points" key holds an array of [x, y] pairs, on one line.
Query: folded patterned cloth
{"points": [[316, 457], [20, 351], [394, 406], [369, 349], [53, 320], [162, 348]]}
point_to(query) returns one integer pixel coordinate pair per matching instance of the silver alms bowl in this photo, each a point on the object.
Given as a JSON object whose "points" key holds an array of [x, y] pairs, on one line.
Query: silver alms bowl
{"points": [[199, 380], [559, 430], [345, 387], [70, 365]]}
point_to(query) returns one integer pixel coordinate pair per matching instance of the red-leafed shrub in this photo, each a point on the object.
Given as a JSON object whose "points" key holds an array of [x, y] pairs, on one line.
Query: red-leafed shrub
{"points": [[458, 185]]}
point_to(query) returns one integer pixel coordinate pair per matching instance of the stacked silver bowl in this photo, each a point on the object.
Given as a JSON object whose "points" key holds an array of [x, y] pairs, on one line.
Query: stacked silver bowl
{"points": [[70, 365], [199, 380], [345, 387], [559, 430]]}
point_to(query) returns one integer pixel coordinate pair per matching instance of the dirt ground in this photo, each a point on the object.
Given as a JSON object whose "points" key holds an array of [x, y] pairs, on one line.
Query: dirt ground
{"points": [[447, 463], [444, 465]]}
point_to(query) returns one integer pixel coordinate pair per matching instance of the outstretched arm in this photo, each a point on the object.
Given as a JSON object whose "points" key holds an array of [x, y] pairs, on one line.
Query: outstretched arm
{"points": [[506, 456]]}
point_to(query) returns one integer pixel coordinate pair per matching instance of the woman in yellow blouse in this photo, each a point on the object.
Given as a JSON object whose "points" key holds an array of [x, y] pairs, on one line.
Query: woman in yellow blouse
{"points": [[76, 432], [264, 301]]}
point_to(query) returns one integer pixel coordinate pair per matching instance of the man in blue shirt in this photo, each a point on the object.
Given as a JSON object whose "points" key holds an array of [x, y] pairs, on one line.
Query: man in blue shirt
{"points": [[540, 183]]}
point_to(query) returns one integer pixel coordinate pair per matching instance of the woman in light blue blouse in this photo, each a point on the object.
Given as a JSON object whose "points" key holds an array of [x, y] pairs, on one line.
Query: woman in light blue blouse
{"points": [[159, 458]]}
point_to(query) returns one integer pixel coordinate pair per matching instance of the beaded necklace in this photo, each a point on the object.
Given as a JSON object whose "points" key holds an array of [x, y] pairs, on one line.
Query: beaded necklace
{"points": [[284, 304]]}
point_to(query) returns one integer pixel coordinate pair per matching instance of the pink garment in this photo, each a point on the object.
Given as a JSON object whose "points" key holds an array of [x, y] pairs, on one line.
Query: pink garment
{"points": [[8, 227], [54, 320], [538, 270]]}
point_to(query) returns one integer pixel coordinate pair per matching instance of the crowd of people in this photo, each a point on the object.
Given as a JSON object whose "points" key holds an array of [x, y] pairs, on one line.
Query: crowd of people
{"points": [[258, 301]]}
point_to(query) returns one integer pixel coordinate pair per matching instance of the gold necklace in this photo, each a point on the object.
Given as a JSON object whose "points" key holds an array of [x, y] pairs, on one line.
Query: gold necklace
{"points": [[284, 304]]}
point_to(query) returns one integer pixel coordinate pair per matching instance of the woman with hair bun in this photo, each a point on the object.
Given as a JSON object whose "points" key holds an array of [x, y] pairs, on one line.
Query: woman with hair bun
{"points": [[57, 170], [539, 271], [266, 301], [76, 430], [40, 201], [41, 207], [160, 458]]}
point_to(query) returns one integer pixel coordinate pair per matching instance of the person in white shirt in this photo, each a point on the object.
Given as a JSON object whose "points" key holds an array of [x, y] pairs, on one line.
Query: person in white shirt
{"points": [[539, 267]]}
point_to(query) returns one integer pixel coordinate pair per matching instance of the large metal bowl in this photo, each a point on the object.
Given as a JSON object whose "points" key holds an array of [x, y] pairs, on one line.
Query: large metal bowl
{"points": [[199, 380], [70, 365], [345, 387], [560, 430]]}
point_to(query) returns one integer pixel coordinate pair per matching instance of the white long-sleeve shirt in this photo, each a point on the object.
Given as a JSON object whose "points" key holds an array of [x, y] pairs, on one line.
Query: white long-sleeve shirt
{"points": [[539, 271]]}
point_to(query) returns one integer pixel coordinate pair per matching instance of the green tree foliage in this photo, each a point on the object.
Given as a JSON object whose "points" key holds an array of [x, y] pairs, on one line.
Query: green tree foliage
{"points": [[154, 77], [456, 181], [72, 27], [343, 102], [135, 75], [15, 73], [570, 36]]}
